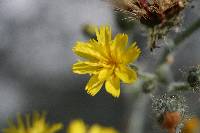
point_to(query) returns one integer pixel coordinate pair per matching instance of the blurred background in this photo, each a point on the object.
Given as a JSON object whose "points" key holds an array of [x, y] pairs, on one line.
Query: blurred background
{"points": [[36, 38]]}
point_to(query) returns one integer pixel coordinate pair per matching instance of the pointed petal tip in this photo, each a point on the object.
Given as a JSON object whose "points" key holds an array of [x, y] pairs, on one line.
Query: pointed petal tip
{"points": [[91, 93], [116, 96]]}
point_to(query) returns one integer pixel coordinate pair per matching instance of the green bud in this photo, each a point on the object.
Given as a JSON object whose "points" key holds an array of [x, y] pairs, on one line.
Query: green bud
{"points": [[164, 74], [89, 30], [149, 84], [178, 86], [194, 77]]}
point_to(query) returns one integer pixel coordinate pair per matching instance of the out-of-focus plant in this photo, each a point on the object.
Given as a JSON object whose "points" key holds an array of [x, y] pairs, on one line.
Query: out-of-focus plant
{"points": [[191, 125], [78, 126], [32, 124], [37, 124]]}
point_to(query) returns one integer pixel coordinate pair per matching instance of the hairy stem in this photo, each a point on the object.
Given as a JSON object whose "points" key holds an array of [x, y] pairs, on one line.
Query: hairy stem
{"points": [[180, 38]]}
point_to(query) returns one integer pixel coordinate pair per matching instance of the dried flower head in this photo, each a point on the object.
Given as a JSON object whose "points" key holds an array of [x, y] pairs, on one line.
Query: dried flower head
{"points": [[158, 15], [170, 111], [36, 124], [107, 61]]}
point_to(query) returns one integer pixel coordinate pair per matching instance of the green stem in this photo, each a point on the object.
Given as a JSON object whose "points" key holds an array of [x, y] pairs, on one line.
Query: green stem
{"points": [[187, 33], [180, 38], [137, 117], [178, 86]]}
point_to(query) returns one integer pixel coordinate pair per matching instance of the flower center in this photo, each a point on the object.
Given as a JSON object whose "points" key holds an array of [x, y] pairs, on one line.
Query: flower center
{"points": [[113, 63]]}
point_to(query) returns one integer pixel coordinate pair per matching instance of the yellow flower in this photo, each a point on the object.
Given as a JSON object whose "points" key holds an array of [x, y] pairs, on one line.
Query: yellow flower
{"points": [[38, 124], [106, 61], [78, 126], [192, 126]]}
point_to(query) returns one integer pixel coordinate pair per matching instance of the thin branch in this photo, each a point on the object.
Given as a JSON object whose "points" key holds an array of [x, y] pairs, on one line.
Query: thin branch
{"points": [[180, 38]]}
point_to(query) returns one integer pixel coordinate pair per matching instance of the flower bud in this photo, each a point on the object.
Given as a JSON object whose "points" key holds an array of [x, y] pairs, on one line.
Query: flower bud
{"points": [[89, 30], [149, 84], [164, 73], [194, 77]]}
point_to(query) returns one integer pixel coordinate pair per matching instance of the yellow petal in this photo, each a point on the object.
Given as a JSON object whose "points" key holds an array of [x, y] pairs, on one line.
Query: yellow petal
{"points": [[118, 46], [55, 127], [126, 74], [102, 49], [20, 122], [113, 86], [87, 50], [37, 124], [86, 67], [109, 130], [104, 34], [99, 129], [95, 129], [131, 54], [105, 73], [104, 37], [77, 126], [120, 41], [94, 85]]}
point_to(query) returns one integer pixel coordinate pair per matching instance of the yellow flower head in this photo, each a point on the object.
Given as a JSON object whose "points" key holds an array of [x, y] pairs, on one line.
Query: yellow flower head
{"points": [[78, 126], [38, 124], [106, 61]]}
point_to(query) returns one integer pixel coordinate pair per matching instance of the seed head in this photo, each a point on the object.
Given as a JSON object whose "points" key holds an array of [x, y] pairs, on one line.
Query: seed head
{"points": [[170, 111], [158, 15]]}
